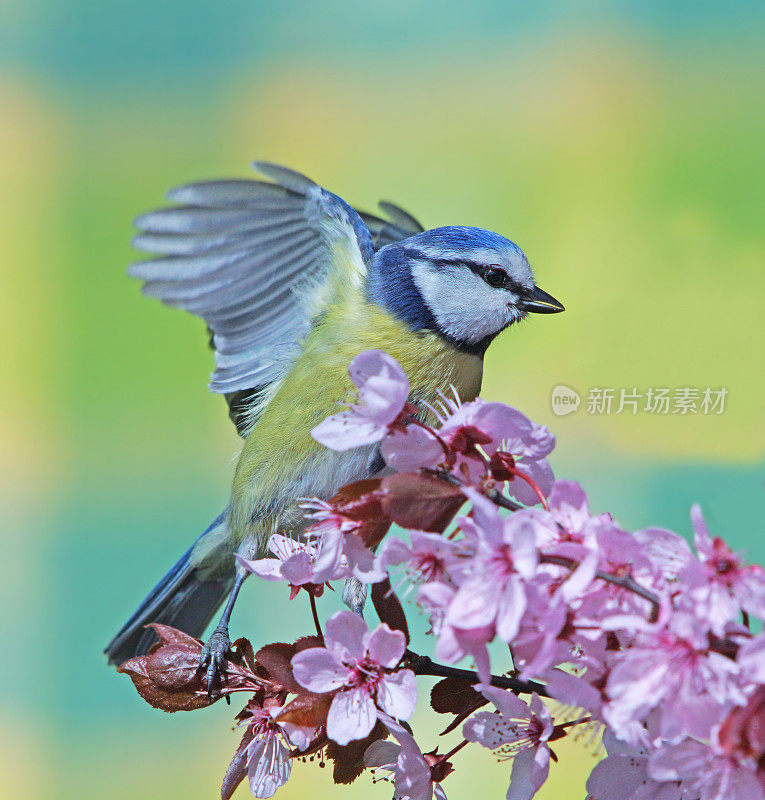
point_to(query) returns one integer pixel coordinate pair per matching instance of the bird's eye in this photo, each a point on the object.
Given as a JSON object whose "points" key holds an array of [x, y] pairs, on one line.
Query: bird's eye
{"points": [[495, 277]]}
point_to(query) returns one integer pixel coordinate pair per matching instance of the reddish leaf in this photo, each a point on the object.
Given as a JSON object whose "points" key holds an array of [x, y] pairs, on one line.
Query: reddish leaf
{"points": [[242, 653], [309, 710], [455, 696], [276, 658], [388, 607], [373, 532], [237, 769], [362, 502], [306, 642], [349, 758], [170, 677], [358, 494], [421, 501]]}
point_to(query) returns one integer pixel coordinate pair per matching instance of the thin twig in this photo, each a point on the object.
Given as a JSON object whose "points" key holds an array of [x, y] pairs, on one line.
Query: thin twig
{"points": [[423, 665], [495, 496], [455, 750], [503, 502], [624, 581], [315, 615]]}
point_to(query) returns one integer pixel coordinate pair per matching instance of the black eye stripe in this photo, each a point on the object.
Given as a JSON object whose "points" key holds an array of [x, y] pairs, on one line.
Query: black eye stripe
{"points": [[509, 283]]}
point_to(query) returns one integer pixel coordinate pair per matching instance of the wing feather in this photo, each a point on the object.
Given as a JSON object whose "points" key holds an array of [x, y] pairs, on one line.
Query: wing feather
{"points": [[241, 254], [399, 225]]}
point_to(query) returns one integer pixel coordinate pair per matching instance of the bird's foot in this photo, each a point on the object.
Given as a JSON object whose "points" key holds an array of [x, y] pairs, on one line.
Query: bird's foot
{"points": [[214, 656]]}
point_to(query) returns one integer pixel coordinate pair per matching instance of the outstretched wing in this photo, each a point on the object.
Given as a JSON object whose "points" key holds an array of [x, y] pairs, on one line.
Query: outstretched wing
{"points": [[254, 259], [399, 225]]}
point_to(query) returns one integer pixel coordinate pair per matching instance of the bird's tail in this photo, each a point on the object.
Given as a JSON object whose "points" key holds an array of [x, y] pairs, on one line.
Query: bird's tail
{"points": [[186, 598]]}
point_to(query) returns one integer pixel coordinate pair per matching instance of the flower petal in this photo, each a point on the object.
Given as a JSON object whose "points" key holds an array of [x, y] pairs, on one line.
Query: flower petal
{"points": [[411, 449], [475, 603], [298, 569], [268, 765], [397, 694], [352, 715], [386, 646], [318, 670], [507, 703], [530, 770], [383, 385], [361, 560], [511, 607], [488, 729], [540, 472], [344, 635], [347, 430], [382, 753], [269, 569]]}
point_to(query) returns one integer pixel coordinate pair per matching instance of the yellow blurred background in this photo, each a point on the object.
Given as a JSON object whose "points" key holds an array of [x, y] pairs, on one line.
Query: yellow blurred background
{"points": [[620, 144]]}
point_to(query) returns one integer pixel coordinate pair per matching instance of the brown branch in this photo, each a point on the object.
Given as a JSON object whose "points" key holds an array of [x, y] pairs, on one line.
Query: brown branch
{"points": [[624, 581], [423, 665]]}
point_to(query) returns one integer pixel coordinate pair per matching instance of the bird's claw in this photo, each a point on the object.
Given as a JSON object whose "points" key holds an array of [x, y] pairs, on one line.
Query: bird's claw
{"points": [[214, 656]]}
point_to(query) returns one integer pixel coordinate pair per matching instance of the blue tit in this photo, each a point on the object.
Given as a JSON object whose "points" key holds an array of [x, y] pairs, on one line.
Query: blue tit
{"points": [[293, 283]]}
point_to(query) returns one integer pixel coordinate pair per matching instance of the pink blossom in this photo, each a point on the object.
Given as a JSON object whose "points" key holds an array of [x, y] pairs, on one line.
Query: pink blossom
{"points": [[454, 643], [268, 753], [668, 552], [493, 591], [360, 666], [552, 633], [623, 775], [538, 643], [576, 691], [294, 562], [506, 429], [427, 556], [706, 772], [519, 731], [619, 553], [674, 666], [413, 775], [721, 583], [751, 659], [383, 389], [339, 549], [569, 530], [571, 511], [411, 448], [472, 433]]}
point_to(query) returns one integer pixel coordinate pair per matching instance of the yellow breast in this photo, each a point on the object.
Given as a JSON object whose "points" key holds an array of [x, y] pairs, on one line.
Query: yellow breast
{"points": [[280, 460]]}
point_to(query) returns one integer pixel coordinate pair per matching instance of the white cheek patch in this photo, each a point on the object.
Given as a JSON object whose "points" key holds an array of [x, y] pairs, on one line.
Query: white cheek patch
{"points": [[464, 305]]}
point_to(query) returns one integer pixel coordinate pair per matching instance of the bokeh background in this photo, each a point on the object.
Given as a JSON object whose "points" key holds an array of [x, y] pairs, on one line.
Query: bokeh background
{"points": [[621, 144]]}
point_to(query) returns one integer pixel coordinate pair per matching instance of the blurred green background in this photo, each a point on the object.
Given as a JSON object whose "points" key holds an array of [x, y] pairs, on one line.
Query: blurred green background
{"points": [[621, 144]]}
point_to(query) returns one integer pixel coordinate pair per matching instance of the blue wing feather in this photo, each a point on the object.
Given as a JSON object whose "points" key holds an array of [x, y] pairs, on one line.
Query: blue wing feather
{"points": [[238, 253]]}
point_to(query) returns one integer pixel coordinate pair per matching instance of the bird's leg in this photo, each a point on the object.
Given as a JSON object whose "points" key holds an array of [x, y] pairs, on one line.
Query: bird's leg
{"points": [[218, 645]]}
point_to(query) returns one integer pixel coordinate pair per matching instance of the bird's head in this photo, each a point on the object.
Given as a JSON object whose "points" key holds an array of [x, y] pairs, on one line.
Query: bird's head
{"points": [[466, 283]]}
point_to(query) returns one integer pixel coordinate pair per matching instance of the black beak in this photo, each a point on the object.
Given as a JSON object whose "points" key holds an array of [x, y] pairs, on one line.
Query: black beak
{"points": [[539, 302]]}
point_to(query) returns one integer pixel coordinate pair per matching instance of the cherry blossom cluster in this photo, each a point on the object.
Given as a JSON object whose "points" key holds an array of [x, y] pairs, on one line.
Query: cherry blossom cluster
{"points": [[636, 635]]}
